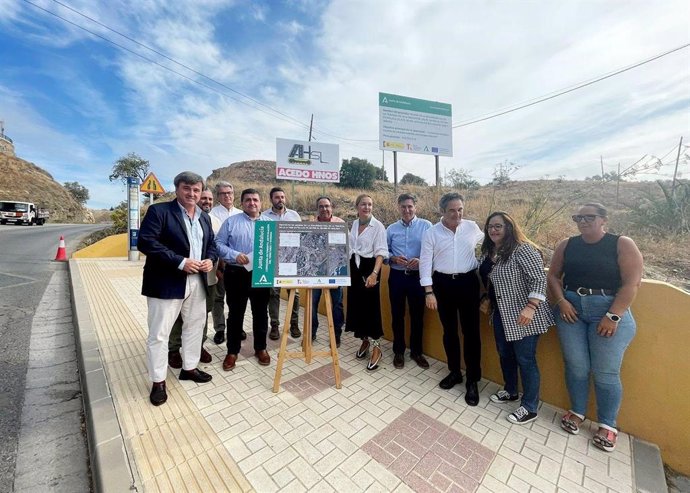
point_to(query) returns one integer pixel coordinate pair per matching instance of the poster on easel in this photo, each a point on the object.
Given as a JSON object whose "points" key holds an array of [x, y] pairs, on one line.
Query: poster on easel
{"points": [[291, 254]]}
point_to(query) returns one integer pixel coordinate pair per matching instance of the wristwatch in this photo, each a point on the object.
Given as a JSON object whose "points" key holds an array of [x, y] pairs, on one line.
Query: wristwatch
{"points": [[613, 317]]}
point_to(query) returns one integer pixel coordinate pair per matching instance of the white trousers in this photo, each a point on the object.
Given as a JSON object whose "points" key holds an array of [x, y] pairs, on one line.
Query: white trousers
{"points": [[161, 317]]}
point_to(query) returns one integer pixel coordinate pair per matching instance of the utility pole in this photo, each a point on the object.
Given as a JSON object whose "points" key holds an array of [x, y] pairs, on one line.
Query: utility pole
{"points": [[675, 172], [618, 183], [601, 158]]}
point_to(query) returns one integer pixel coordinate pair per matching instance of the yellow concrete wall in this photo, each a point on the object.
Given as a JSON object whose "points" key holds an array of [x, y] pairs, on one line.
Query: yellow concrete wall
{"points": [[655, 374], [110, 246]]}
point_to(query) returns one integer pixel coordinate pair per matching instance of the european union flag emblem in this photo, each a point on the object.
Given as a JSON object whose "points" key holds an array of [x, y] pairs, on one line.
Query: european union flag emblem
{"points": [[331, 281], [434, 149]]}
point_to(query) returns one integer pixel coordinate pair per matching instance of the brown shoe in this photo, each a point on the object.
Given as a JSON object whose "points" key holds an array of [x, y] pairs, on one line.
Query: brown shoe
{"points": [[420, 360], [175, 359], [274, 334], [399, 361], [205, 356], [263, 357], [158, 394], [229, 362]]}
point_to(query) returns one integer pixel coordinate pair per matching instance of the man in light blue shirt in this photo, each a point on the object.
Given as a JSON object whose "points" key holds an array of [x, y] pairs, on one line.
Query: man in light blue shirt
{"points": [[235, 245], [280, 212], [404, 247]]}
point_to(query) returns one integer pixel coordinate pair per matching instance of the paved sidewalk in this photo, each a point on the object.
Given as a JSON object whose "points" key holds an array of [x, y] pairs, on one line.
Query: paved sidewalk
{"points": [[393, 430]]}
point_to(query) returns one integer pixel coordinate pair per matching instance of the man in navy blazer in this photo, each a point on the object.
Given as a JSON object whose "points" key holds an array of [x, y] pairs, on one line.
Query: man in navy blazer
{"points": [[179, 245]]}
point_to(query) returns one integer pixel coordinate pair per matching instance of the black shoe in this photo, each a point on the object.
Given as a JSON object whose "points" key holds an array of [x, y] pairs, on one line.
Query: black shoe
{"points": [[158, 395], [313, 337], [243, 336], [472, 394], [195, 375], [399, 361], [274, 334], [451, 380], [337, 340], [295, 332], [219, 337]]}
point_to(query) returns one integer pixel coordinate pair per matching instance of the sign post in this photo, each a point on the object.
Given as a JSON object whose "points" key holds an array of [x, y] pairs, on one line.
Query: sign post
{"points": [[133, 217]]}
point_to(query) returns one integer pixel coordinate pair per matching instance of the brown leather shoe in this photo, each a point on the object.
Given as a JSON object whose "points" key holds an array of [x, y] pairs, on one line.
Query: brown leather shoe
{"points": [[205, 356], [420, 360], [158, 394], [263, 357], [175, 359], [399, 361], [229, 362]]}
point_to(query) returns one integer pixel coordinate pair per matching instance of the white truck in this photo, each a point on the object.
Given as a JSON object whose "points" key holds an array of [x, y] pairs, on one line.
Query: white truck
{"points": [[22, 213]]}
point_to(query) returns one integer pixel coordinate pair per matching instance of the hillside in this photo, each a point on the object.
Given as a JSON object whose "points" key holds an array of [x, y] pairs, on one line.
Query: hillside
{"points": [[541, 207], [24, 181]]}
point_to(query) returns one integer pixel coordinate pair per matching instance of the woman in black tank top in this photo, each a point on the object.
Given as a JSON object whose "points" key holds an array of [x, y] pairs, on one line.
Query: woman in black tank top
{"points": [[593, 280]]}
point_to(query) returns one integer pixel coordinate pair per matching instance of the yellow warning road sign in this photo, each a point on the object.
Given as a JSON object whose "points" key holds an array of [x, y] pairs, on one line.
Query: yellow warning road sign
{"points": [[152, 185]]}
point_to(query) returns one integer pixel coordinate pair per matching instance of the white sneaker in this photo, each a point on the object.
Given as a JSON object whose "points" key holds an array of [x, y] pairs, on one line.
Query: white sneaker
{"points": [[521, 416], [502, 396]]}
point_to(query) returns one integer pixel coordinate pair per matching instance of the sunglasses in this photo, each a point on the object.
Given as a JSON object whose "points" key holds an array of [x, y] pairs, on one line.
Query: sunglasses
{"points": [[589, 218]]}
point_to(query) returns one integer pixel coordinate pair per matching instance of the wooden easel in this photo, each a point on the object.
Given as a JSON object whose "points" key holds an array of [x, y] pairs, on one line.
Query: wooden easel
{"points": [[307, 352]]}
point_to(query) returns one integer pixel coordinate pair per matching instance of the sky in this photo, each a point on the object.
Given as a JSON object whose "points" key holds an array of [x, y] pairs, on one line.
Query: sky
{"points": [[199, 85]]}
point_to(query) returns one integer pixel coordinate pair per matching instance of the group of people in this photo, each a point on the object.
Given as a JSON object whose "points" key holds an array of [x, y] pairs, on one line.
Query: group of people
{"points": [[196, 259]]}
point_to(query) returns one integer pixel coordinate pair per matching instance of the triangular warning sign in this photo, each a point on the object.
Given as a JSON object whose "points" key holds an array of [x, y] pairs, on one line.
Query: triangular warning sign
{"points": [[152, 185]]}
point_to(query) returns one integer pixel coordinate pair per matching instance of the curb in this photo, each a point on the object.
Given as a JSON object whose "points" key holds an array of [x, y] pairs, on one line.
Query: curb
{"points": [[110, 467], [648, 468]]}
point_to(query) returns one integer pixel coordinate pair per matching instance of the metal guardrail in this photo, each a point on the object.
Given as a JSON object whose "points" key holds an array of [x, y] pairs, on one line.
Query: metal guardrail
{"points": [[5, 137]]}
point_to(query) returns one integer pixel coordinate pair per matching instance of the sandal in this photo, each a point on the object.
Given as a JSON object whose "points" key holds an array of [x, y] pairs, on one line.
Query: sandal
{"points": [[374, 361], [605, 439], [363, 349], [569, 424]]}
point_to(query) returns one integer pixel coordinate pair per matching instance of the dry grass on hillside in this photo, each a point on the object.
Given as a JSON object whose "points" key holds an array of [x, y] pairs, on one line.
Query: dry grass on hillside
{"points": [[541, 207]]}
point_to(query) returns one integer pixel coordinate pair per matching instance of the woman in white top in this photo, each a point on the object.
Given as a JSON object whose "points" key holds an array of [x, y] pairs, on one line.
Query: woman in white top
{"points": [[368, 248]]}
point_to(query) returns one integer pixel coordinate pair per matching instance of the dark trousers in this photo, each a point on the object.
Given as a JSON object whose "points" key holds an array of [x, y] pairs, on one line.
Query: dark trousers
{"points": [[459, 298], [338, 314], [405, 287], [238, 289]]}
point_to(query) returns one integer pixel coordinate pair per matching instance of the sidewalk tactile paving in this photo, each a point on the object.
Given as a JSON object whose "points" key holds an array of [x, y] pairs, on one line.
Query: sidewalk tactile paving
{"points": [[391, 430]]}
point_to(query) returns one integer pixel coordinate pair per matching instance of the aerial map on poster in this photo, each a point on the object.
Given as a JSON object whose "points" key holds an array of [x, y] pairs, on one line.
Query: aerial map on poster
{"points": [[300, 254]]}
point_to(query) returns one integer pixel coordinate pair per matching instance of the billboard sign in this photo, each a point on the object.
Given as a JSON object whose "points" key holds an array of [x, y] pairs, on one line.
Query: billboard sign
{"points": [[307, 161], [415, 125]]}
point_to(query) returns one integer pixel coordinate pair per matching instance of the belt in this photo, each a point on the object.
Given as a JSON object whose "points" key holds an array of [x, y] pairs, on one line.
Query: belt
{"points": [[587, 291], [456, 275], [411, 273]]}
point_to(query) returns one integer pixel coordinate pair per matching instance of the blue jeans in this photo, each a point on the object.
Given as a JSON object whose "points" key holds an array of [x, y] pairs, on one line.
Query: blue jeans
{"points": [[338, 316], [520, 354], [585, 352]]}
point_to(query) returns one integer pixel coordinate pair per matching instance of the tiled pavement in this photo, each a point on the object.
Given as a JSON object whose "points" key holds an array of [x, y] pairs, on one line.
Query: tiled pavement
{"points": [[393, 430]]}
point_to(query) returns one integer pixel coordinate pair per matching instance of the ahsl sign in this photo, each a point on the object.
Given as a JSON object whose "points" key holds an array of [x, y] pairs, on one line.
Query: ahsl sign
{"points": [[152, 185], [307, 161]]}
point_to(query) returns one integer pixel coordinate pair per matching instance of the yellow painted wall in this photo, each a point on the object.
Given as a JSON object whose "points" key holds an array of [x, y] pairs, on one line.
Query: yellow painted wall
{"points": [[655, 374], [110, 246]]}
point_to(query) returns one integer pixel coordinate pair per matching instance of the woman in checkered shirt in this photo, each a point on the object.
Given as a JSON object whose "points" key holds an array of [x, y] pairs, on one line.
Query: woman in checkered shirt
{"points": [[512, 270]]}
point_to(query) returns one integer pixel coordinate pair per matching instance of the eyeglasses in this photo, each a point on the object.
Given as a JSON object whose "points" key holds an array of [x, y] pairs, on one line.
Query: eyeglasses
{"points": [[589, 218], [497, 227]]}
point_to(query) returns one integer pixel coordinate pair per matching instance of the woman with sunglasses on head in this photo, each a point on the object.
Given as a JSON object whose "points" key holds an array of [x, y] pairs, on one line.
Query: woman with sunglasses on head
{"points": [[512, 270], [368, 248], [593, 280]]}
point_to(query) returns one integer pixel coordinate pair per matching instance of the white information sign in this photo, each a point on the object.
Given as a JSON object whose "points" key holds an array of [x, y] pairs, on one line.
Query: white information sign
{"points": [[307, 161], [415, 125]]}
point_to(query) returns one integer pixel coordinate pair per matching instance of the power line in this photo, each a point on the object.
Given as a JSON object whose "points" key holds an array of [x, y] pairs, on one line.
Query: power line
{"points": [[571, 89]]}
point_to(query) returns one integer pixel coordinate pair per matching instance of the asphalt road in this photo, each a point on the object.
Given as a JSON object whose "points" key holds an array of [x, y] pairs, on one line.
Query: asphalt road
{"points": [[26, 268]]}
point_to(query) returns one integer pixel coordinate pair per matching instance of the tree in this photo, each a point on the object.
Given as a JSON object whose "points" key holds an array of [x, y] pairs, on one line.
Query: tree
{"points": [[119, 217], [357, 173], [502, 172], [381, 174], [78, 191], [410, 179], [461, 179], [130, 165]]}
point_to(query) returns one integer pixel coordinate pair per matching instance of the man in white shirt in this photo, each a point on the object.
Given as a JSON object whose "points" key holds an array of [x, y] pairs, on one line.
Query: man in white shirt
{"points": [[225, 196], [448, 266], [280, 212]]}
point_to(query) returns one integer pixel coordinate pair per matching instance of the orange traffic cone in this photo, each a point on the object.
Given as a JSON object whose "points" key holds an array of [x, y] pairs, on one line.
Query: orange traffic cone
{"points": [[61, 255]]}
